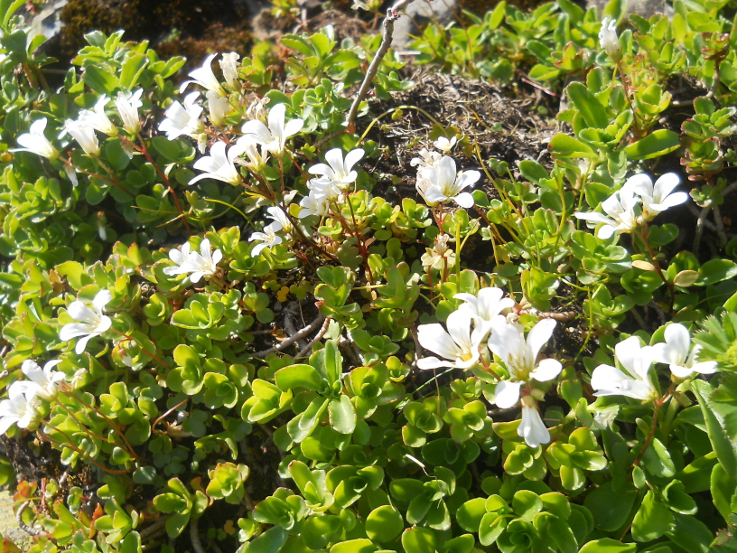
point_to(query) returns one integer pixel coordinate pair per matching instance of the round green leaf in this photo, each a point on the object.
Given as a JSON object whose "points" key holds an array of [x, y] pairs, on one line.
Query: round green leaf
{"points": [[384, 524]]}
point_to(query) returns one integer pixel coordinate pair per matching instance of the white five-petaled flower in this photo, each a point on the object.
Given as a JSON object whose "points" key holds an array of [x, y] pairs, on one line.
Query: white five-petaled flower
{"points": [[84, 135], [183, 119], [531, 427], [98, 119], [219, 166], [35, 141], [20, 407], [274, 137], [609, 40], [229, 65], [338, 171], [658, 198], [45, 382], [620, 207], [507, 341], [445, 145], [127, 104], [459, 345], [197, 265], [268, 238], [486, 305], [204, 77], [91, 322], [445, 184], [677, 353], [636, 360]]}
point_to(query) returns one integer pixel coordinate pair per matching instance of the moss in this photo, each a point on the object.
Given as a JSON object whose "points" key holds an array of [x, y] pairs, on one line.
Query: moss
{"points": [[199, 26]]}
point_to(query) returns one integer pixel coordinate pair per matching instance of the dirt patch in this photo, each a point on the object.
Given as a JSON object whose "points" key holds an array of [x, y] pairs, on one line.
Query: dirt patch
{"points": [[503, 124]]}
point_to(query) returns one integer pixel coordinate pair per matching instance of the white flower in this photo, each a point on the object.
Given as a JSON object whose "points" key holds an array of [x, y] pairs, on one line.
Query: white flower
{"points": [[98, 119], [338, 171], [219, 107], [609, 40], [229, 65], [314, 205], [426, 159], [486, 305], [91, 322], [268, 238], [274, 137], [218, 166], [620, 207], [35, 141], [445, 145], [636, 360], [84, 135], [127, 104], [658, 198], [204, 263], [531, 427], [459, 345], [256, 159], [446, 185], [677, 353], [204, 77], [47, 381], [257, 109], [324, 187], [507, 341], [183, 119], [280, 219], [19, 408], [440, 255]]}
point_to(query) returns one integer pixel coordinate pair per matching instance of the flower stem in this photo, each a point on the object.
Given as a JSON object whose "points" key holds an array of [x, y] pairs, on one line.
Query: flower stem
{"points": [[651, 435], [670, 285]]}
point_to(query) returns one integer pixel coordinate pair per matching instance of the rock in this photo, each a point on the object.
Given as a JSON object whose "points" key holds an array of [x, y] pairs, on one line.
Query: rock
{"points": [[420, 12]]}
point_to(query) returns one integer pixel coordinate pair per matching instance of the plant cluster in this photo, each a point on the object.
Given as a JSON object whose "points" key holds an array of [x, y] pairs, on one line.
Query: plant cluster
{"points": [[211, 312]]}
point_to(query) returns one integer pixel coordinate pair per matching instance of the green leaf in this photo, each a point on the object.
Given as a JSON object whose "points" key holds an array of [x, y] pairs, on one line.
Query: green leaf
{"points": [[652, 520], [132, 68], [354, 546], [100, 80], [342, 415], [724, 446], [526, 504], [657, 143], [608, 545], [491, 527], [8, 8], [723, 488], [295, 376], [565, 146], [611, 507], [588, 105], [270, 541], [716, 270], [469, 514], [384, 524], [418, 540], [690, 534]]}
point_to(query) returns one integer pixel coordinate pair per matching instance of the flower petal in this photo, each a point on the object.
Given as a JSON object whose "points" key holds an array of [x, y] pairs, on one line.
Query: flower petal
{"points": [[538, 337], [546, 370], [506, 394]]}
